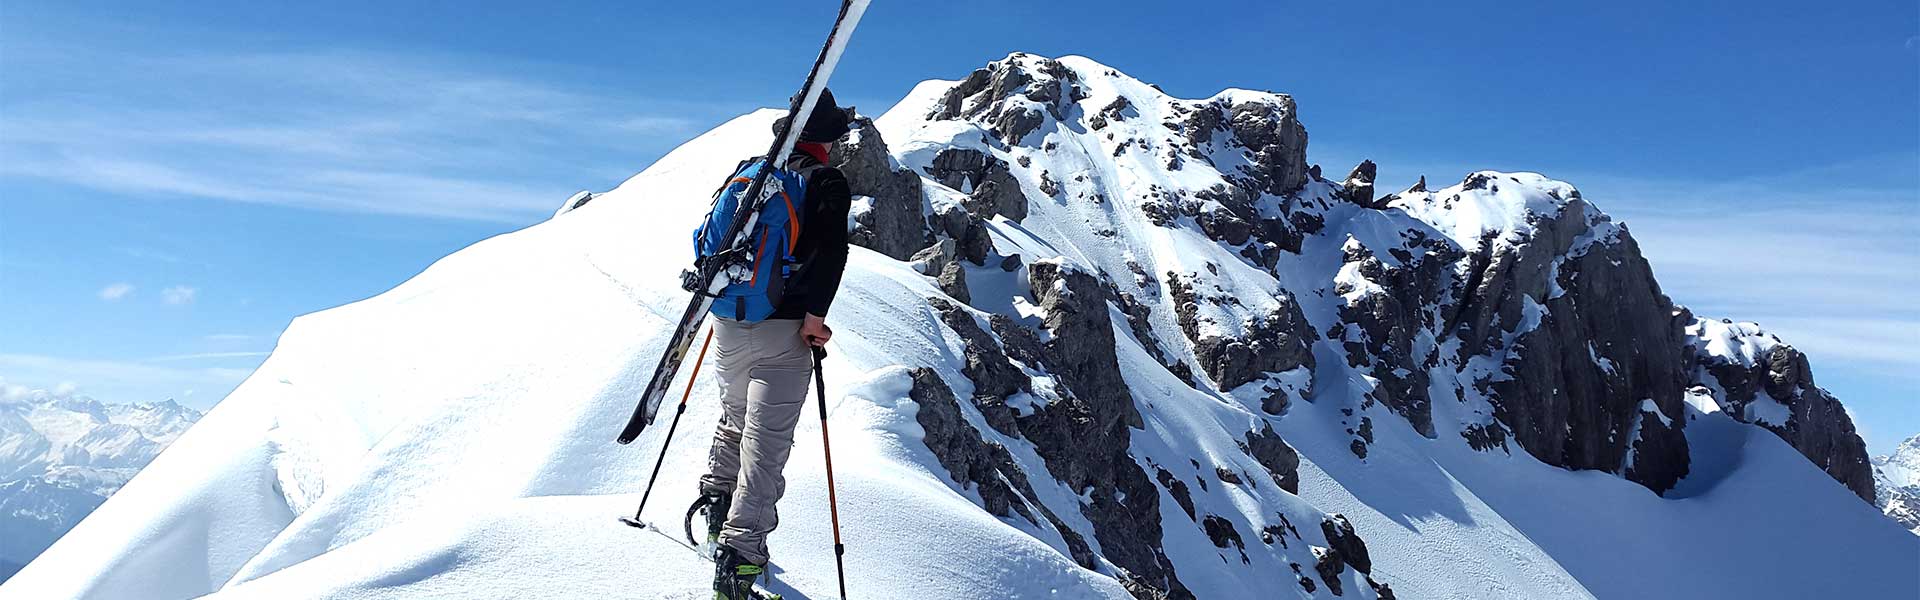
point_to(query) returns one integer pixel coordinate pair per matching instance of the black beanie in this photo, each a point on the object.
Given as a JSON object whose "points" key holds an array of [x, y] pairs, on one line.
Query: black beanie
{"points": [[827, 123]]}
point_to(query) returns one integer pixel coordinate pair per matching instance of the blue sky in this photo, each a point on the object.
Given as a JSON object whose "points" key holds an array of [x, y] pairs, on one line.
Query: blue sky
{"points": [[177, 183]]}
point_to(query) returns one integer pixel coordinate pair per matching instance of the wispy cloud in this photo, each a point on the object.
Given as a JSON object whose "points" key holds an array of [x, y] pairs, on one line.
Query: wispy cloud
{"points": [[121, 381], [179, 295], [207, 356], [331, 130], [116, 292], [1823, 256]]}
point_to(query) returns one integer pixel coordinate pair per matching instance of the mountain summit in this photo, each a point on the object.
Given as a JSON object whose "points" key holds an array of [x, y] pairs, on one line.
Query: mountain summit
{"points": [[1101, 342]]}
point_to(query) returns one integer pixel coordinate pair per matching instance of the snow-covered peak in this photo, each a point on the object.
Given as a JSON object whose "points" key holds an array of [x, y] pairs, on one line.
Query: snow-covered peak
{"points": [[1897, 484], [1744, 343], [1493, 206], [161, 421], [65, 418], [1050, 109], [1902, 467]]}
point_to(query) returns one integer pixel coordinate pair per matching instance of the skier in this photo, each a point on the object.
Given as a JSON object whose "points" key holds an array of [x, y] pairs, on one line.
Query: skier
{"points": [[764, 366]]}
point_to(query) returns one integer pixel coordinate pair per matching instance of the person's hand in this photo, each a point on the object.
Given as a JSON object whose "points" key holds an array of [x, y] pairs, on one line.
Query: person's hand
{"points": [[815, 330]]}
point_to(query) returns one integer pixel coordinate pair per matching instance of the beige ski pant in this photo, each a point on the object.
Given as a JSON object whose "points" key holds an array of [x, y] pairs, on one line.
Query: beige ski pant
{"points": [[764, 373]]}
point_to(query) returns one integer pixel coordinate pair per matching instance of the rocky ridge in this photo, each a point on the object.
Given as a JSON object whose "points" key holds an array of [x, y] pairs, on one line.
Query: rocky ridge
{"points": [[1506, 294], [1759, 379]]}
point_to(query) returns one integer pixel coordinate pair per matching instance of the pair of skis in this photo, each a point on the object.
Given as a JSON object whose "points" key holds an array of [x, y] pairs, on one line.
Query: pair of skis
{"points": [[712, 274]]}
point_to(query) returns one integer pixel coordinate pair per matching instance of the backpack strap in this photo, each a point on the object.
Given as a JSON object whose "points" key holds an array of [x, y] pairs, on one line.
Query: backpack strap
{"points": [[804, 165], [730, 176]]}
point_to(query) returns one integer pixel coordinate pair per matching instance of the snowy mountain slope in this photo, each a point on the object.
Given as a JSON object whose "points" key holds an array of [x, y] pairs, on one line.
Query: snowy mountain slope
{"points": [[299, 463], [62, 455], [1896, 478], [1106, 343]]}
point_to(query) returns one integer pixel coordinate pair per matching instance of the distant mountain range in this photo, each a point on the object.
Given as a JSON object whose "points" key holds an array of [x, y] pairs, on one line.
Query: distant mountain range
{"points": [[62, 455], [1896, 478]]}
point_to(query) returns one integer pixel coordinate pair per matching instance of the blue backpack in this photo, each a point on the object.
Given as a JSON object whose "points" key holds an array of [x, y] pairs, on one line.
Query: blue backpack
{"points": [[773, 240]]}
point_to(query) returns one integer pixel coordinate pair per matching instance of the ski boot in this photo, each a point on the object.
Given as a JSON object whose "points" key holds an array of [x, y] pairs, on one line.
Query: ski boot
{"points": [[734, 577], [714, 507]]}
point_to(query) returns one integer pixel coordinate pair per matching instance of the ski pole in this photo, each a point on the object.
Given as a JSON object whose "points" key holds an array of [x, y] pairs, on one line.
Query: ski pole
{"points": [[826, 443], [636, 520]]}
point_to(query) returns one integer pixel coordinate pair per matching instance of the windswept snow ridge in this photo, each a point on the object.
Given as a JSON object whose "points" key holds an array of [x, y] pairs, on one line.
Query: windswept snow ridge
{"points": [[1100, 343]]}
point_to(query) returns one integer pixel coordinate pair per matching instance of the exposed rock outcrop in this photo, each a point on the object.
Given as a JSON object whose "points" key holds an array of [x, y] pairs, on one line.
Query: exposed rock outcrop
{"points": [[894, 225], [1117, 110], [1387, 300], [1342, 539], [988, 95], [1280, 459], [1271, 131], [1358, 187], [984, 466], [933, 260], [990, 184], [1329, 564], [1774, 389], [1224, 535], [994, 377], [1280, 341], [953, 281], [1084, 437], [1266, 127], [1584, 335]]}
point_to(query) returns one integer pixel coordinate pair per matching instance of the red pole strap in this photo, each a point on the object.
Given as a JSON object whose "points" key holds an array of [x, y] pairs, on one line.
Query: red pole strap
{"points": [[696, 368]]}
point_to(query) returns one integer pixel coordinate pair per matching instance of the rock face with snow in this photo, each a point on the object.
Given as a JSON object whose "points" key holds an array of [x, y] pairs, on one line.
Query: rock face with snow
{"points": [[1100, 342], [62, 455], [1564, 309], [891, 223], [1358, 188], [1759, 379]]}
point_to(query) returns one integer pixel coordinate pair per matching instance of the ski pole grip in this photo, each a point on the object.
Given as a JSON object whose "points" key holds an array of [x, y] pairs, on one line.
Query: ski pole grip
{"points": [[819, 353]]}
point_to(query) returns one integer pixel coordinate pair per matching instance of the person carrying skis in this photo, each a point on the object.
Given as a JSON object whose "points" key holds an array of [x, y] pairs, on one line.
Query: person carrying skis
{"points": [[763, 368]]}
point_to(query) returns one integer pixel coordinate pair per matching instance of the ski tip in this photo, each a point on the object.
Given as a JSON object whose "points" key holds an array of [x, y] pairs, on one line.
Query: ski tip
{"points": [[634, 427], [628, 435]]}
